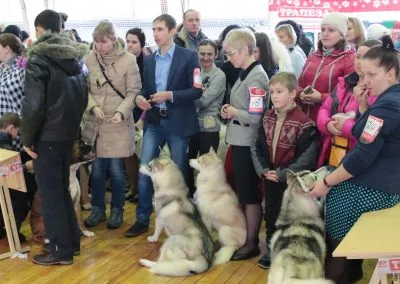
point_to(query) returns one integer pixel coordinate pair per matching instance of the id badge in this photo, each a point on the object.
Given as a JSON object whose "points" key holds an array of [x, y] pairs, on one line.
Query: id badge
{"points": [[371, 129], [197, 79], [256, 101]]}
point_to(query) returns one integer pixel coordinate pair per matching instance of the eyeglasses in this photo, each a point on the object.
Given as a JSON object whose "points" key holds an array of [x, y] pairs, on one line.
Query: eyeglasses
{"points": [[230, 53]]}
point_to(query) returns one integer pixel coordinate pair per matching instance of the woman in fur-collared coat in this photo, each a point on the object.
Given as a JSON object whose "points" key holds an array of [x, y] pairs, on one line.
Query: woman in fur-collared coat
{"points": [[114, 81]]}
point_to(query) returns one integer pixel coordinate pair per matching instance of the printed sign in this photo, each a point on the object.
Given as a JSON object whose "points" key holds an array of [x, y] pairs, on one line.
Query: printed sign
{"points": [[389, 265], [371, 129], [256, 102]]}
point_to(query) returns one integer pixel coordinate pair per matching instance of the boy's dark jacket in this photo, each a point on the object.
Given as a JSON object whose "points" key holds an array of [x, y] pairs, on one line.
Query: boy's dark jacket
{"points": [[56, 93], [296, 149]]}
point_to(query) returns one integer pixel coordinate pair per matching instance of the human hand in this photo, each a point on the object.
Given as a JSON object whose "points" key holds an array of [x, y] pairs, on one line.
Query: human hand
{"points": [[117, 118], [161, 97], [318, 189], [333, 128], [314, 97], [30, 152], [339, 123], [360, 93], [272, 176], [98, 113], [142, 103], [224, 115]]}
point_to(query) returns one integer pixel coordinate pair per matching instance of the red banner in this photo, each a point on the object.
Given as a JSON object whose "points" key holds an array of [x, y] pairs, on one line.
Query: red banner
{"points": [[319, 8]]}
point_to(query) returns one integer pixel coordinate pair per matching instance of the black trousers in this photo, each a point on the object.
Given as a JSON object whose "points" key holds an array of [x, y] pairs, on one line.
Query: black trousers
{"points": [[200, 144], [273, 201], [52, 175]]}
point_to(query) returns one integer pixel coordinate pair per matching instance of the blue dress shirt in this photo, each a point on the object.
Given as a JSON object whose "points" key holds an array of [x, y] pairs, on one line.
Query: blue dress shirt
{"points": [[163, 64]]}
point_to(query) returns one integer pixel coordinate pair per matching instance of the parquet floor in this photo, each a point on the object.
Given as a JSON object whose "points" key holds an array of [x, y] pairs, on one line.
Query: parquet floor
{"points": [[109, 257]]}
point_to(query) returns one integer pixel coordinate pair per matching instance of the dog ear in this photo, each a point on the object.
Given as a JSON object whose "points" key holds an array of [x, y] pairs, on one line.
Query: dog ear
{"points": [[212, 151], [290, 176]]}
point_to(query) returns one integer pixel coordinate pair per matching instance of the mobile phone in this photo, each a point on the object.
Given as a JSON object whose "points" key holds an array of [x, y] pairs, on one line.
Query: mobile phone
{"points": [[308, 90]]}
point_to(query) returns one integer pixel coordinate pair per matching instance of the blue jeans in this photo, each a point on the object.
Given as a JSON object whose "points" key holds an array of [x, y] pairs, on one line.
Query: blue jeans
{"points": [[115, 168], [155, 137]]}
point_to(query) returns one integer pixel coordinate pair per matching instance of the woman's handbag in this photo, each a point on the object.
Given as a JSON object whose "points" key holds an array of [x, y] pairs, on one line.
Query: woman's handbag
{"points": [[339, 149]]}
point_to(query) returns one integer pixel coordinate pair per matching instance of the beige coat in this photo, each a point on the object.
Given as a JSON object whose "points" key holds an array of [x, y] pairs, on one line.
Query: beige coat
{"points": [[112, 140]]}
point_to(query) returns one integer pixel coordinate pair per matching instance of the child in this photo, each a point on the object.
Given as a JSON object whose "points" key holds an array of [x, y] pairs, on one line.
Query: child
{"points": [[286, 140], [9, 128]]}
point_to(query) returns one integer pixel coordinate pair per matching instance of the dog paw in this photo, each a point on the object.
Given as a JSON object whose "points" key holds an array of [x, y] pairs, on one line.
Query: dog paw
{"points": [[88, 234], [152, 239], [145, 262]]}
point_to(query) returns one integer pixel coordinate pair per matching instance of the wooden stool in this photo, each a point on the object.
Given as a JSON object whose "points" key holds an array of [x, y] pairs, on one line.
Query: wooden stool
{"points": [[11, 174]]}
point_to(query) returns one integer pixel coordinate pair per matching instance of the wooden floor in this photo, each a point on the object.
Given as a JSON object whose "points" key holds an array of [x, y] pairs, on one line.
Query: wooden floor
{"points": [[109, 257]]}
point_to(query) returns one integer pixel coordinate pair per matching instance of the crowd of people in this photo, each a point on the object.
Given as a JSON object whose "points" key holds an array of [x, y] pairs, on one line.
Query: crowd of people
{"points": [[285, 104]]}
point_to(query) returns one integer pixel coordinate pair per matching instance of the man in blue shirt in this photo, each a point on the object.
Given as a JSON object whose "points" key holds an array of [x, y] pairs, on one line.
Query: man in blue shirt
{"points": [[168, 96]]}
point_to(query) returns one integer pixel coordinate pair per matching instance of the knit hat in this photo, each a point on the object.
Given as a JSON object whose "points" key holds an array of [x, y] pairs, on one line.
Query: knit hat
{"points": [[377, 31], [13, 29], [338, 21]]}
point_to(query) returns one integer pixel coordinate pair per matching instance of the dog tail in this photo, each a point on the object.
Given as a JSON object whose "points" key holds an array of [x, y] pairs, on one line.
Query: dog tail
{"points": [[223, 255], [180, 267], [277, 276]]}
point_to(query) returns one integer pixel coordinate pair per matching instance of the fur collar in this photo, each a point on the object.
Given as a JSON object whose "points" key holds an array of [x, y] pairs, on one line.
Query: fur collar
{"points": [[58, 46]]}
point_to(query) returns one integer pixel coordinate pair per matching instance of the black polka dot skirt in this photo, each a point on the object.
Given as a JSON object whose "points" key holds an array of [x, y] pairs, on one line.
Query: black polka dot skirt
{"points": [[347, 202]]}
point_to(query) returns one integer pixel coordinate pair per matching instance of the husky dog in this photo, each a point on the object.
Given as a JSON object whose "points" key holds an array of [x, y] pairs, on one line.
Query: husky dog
{"points": [[81, 154], [189, 247], [298, 245], [218, 205]]}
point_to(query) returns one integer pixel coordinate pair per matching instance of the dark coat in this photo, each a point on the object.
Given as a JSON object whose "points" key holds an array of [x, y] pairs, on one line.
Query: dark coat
{"points": [[56, 91]]}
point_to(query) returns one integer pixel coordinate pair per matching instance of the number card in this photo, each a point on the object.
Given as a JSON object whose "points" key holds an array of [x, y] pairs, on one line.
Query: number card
{"points": [[371, 129], [256, 101]]}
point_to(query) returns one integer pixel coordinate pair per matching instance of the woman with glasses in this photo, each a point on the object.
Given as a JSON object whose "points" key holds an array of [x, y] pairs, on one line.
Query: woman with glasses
{"points": [[244, 111], [208, 106]]}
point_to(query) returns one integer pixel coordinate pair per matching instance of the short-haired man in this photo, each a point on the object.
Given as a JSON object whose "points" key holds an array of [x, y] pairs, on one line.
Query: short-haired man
{"points": [[55, 98], [168, 97], [190, 34]]}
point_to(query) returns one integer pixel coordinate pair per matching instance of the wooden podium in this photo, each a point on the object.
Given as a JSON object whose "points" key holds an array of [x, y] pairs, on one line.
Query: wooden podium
{"points": [[11, 176]]}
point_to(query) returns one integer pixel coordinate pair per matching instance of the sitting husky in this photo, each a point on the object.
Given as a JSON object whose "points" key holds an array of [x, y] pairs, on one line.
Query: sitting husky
{"points": [[189, 247], [298, 246], [81, 154], [218, 205]]}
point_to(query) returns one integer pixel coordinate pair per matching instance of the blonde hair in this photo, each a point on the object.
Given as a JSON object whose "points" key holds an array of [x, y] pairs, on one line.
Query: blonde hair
{"points": [[288, 29], [359, 30], [287, 79], [104, 29], [241, 38]]}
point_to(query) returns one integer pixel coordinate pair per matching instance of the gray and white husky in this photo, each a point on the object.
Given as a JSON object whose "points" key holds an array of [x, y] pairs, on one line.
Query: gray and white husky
{"points": [[188, 248], [298, 247]]}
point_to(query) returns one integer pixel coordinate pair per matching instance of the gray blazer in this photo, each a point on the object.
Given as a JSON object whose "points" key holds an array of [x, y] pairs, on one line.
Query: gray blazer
{"points": [[209, 105], [242, 128]]}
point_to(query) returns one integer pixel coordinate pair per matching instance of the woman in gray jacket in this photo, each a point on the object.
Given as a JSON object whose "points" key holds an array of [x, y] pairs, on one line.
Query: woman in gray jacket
{"points": [[247, 103], [208, 106]]}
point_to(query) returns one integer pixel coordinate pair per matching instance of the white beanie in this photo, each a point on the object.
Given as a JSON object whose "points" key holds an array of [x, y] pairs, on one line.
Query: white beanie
{"points": [[377, 31], [338, 21]]}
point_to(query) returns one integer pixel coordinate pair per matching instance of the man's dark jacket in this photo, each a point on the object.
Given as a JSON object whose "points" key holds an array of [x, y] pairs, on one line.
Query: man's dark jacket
{"points": [[56, 91]]}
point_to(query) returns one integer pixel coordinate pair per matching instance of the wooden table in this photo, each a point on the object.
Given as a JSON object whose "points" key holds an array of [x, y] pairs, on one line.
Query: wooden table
{"points": [[11, 175], [376, 235]]}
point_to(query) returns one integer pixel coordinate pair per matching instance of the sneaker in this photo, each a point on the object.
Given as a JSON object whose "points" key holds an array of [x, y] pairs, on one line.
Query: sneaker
{"points": [[137, 229], [265, 261], [116, 218], [49, 259], [96, 216], [46, 248]]}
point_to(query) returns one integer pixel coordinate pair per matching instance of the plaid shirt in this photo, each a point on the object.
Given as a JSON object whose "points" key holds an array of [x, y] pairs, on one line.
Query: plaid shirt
{"points": [[12, 78]]}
